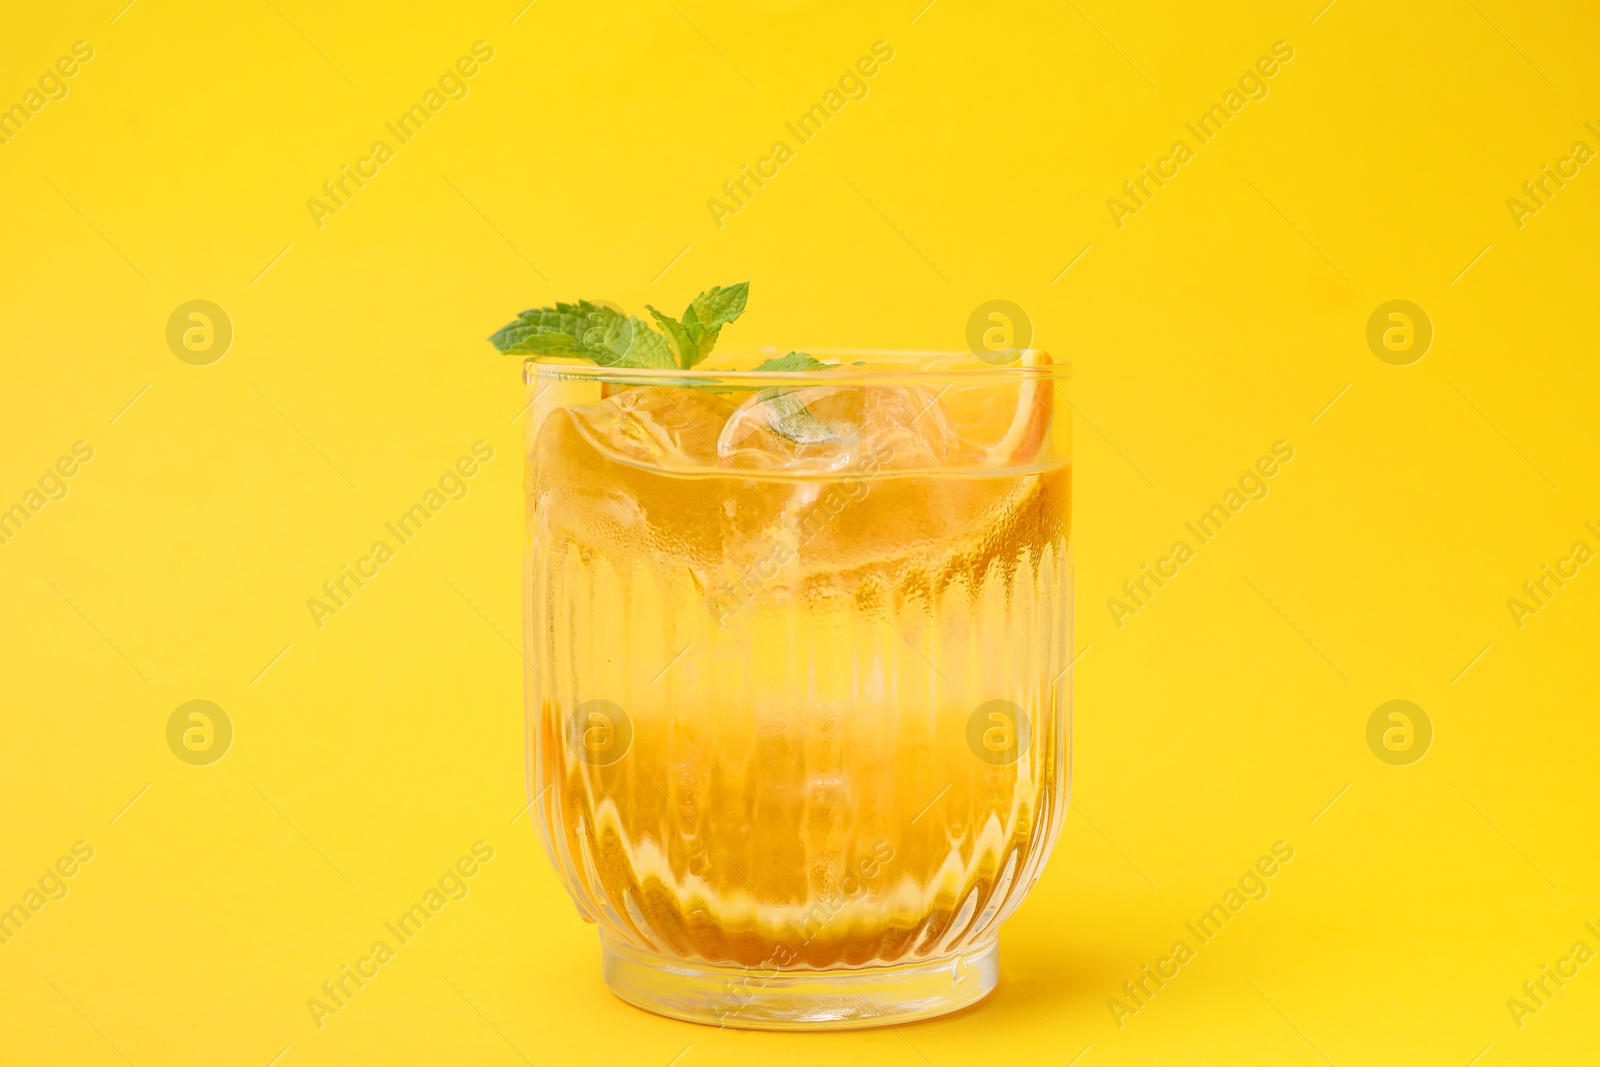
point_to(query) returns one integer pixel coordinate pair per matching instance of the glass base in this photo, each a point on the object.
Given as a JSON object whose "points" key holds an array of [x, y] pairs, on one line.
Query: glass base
{"points": [[764, 998]]}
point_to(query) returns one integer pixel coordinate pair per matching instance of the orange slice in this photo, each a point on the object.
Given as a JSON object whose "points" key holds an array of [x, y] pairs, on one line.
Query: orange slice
{"points": [[1003, 424]]}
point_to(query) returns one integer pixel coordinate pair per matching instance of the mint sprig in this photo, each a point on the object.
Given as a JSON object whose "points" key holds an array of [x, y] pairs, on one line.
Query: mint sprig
{"points": [[609, 338]]}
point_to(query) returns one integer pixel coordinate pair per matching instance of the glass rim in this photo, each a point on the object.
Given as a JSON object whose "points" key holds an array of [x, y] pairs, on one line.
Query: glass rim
{"points": [[896, 366]]}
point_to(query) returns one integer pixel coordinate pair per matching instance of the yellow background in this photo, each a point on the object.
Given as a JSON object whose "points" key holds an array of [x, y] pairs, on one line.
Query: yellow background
{"points": [[1223, 317]]}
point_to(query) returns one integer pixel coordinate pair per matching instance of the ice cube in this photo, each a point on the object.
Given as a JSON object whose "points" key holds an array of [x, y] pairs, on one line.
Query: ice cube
{"points": [[839, 428], [606, 476], [660, 426]]}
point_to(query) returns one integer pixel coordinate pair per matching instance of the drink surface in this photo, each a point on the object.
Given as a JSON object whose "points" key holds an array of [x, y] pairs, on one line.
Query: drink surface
{"points": [[796, 656]]}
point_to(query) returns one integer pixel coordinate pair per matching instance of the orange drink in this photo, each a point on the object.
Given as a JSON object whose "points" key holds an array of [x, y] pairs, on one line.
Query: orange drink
{"points": [[797, 646]]}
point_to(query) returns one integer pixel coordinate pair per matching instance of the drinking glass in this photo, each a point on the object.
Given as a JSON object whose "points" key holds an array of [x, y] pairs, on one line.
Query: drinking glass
{"points": [[797, 643]]}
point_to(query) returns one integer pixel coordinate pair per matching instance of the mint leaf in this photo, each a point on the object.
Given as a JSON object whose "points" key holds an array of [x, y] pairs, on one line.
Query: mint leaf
{"points": [[719, 305], [802, 361], [793, 421], [793, 361], [585, 331], [709, 312], [546, 331], [683, 345], [695, 335], [608, 337]]}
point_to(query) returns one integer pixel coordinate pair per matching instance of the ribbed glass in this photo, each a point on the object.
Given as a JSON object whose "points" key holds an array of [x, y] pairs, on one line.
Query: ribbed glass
{"points": [[792, 719]]}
